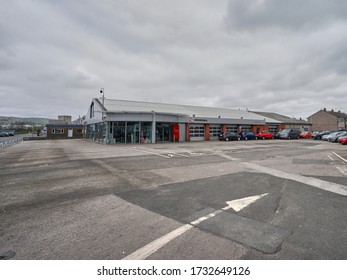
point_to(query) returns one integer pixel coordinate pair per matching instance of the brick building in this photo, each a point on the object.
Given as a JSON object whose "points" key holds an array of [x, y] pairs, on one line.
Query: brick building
{"points": [[328, 120], [112, 121], [64, 131]]}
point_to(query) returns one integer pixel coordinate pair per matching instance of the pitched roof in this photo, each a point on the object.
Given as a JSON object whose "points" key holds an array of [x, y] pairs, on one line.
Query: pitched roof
{"points": [[119, 106], [281, 118], [337, 114]]}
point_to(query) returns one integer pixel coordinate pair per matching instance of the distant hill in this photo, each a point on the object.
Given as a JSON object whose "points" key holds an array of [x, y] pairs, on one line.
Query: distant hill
{"points": [[16, 120]]}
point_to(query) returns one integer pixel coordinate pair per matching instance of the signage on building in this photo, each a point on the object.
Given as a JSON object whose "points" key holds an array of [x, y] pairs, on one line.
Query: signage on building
{"points": [[197, 120]]}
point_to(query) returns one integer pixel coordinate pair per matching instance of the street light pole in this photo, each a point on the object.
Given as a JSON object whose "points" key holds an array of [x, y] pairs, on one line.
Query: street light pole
{"points": [[103, 95]]}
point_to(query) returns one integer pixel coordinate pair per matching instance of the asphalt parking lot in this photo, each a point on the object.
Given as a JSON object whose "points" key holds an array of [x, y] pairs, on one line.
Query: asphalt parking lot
{"points": [[272, 199]]}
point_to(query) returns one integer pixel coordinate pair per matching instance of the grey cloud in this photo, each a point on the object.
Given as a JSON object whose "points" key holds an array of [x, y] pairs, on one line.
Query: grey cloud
{"points": [[56, 55], [293, 14]]}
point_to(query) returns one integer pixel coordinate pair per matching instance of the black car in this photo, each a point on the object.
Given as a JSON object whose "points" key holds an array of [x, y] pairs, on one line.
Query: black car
{"points": [[248, 136], [230, 136], [289, 134], [10, 132]]}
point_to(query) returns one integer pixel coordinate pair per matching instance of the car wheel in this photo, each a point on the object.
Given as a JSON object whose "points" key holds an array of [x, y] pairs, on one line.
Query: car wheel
{"points": [[256, 138], [263, 138], [246, 138], [238, 139], [226, 139], [272, 137]]}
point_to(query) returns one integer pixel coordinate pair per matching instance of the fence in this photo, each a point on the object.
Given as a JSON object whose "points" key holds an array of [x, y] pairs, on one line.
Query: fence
{"points": [[9, 143]]}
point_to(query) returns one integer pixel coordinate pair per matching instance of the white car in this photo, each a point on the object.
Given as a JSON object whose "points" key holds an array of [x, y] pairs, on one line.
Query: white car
{"points": [[325, 137], [332, 137]]}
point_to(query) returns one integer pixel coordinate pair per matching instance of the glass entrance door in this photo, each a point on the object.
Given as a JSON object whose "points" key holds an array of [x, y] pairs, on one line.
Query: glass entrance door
{"points": [[133, 132], [163, 133]]}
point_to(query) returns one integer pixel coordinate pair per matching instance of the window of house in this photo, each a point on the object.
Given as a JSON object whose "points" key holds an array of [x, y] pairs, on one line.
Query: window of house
{"points": [[79, 130], [58, 131]]}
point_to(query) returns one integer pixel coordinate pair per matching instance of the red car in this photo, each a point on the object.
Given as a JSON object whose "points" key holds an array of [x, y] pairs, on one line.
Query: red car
{"points": [[306, 135], [343, 140], [265, 135]]}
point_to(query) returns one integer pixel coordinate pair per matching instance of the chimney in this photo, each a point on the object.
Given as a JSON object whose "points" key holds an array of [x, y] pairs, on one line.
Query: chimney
{"points": [[325, 109]]}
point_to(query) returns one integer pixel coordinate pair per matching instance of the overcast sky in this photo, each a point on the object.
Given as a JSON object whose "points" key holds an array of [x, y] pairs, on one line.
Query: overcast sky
{"points": [[281, 56]]}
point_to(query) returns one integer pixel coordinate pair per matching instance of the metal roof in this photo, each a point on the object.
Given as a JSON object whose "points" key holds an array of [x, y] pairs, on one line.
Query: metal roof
{"points": [[282, 118], [122, 106]]}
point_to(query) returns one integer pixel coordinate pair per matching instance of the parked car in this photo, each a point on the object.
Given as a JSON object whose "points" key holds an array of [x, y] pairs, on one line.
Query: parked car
{"points": [[265, 135], [230, 136], [314, 133], [305, 135], [248, 136], [3, 134], [343, 140], [333, 137], [10, 132], [321, 134], [325, 137], [289, 134], [277, 135]]}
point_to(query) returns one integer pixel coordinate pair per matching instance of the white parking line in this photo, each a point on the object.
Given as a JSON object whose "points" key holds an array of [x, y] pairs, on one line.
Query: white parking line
{"points": [[321, 184], [330, 157], [345, 160], [153, 152]]}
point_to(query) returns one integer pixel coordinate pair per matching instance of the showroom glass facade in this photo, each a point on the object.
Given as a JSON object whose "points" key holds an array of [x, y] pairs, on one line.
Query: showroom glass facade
{"points": [[128, 132]]}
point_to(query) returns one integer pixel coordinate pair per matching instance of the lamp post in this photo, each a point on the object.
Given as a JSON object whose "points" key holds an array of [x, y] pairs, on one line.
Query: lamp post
{"points": [[103, 95]]}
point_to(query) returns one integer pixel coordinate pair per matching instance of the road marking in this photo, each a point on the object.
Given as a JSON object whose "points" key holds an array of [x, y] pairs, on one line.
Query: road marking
{"points": [[239, 204], [148, 152], [149, 249], [228, 157], [330, 157], [342, 169], [321, 184], [345, 160], [152, 247], [204, 218]]}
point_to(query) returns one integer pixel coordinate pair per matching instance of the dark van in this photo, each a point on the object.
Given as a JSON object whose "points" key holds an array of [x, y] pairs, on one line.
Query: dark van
{"points": [[289, 134]]}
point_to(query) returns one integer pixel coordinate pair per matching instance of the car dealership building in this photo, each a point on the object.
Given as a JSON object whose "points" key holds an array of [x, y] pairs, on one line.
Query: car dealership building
{"points": [[111, 121]]}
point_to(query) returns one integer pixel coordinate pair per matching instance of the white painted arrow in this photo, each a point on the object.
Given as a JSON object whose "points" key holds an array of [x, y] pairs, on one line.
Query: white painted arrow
{"points": [[239, 204], [155, 245]]}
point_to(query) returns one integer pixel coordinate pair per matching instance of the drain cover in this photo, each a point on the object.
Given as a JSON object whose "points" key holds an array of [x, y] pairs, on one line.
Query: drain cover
{"points": [[7, 255]]}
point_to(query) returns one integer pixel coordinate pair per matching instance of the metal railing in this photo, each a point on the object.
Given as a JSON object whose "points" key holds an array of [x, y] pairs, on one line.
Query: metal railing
{"points": [[5, 144]]}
